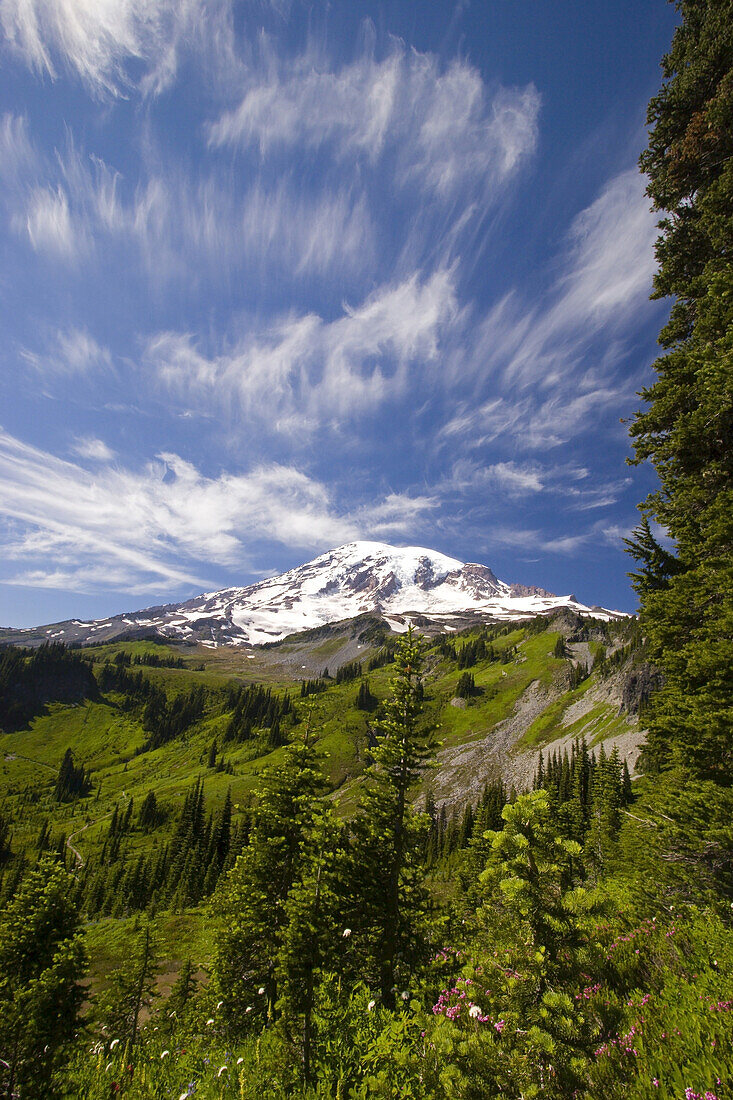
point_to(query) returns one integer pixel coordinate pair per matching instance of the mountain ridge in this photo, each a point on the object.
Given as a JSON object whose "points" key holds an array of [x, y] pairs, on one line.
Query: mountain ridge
{"points": [[401, 584]]}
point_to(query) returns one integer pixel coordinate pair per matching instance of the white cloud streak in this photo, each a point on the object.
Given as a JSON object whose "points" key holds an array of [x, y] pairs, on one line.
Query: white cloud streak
{"points": [[100, 41], [305, 371], [441, 125], [136, 530], [69, 352], [94, 449], [543, 392], [78, 204], [17, 155]]}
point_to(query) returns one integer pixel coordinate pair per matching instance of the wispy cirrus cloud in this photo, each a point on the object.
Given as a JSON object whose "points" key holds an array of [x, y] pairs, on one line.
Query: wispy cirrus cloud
{"points": [[308, 372], [607, 274], [105, 43], [18, 158], [93, 449], [76, 204], [69, 352], [165, 524], [534, 359], [439, 124], [149, 523]]}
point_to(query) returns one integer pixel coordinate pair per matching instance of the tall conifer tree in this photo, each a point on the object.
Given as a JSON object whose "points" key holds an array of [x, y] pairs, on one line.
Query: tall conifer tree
{"points": [[686, 429], [387, 831]]}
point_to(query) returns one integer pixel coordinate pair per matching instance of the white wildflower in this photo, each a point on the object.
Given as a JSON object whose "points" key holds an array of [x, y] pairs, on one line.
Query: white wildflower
{"points": [[164, 1053], [113, 1044], [405, 994], [346, 932], [261, 990], [248, 1008], [220, 1004], [108, 1067], [222, 1069], [474, 1011], [210, 1021], [239, 1061], [371, 1005]]}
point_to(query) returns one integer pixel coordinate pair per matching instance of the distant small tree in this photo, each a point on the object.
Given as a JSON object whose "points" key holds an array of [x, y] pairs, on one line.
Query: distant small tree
{"points": [[149, 815], [131, 991], [466, 686], [180, 997], [364, 698], [72, 782]]}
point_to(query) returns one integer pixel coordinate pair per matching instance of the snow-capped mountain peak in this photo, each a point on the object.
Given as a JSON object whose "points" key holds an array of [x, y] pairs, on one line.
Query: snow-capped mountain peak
{"points": [[395, 582]]}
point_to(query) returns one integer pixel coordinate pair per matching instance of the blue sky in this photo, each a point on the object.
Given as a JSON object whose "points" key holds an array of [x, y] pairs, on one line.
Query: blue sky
{"points": [[279, 275]]}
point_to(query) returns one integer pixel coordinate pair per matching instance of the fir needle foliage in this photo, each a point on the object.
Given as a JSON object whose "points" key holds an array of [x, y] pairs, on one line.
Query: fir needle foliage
{"points": [[388, 831], [686, 428]]}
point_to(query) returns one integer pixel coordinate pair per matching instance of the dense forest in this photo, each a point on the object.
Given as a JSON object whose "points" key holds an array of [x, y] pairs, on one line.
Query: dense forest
{"points": [[571, 939]]}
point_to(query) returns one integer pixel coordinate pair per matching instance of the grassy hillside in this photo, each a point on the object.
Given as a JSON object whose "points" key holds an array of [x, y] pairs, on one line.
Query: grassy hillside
{"points": [[110, 736]]}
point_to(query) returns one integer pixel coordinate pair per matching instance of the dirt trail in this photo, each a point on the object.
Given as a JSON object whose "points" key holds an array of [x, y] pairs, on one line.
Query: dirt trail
{"points": [[72, 836]]}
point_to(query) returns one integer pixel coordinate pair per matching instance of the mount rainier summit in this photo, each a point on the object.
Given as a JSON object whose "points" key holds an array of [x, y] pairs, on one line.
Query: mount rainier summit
{"points": [[400, 584]]}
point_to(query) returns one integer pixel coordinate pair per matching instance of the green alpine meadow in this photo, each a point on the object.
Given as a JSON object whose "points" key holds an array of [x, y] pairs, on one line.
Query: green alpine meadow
{"points": [[476, 850]]}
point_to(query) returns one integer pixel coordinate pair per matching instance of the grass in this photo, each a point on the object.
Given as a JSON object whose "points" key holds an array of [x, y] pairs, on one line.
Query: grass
{"points": [[107, 738]]}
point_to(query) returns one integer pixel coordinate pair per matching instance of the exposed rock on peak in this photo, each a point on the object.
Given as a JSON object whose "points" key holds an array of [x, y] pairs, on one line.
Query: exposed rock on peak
{"points": [[400, 583]]}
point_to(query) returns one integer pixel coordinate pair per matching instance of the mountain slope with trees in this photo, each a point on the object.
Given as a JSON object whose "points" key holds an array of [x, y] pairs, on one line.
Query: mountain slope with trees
{"points": [[267, 917]]}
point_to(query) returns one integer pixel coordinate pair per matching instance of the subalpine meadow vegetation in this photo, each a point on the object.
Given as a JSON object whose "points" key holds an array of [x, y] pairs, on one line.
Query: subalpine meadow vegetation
{"points": [[219, 881]]}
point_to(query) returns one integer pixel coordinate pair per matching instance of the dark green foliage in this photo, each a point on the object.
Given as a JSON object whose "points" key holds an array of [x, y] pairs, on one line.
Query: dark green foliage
{"points": [[474, 651], [164, 720], [686, 429], [41, 964], [256, 708], [251, 903], [30, 678], [314, 687], [383, 656], [181, 996], [388, 835], [149, 816], [466, 686], [364, 698], [588, 795], [147, 659], [347, 672], [178, 874], [72, 782], [312, 931], [5, 835], [113, 676]]}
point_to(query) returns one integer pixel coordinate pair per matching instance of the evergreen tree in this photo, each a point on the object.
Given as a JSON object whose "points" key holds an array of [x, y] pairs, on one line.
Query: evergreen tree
{"points": [[41, 963], [180, 997], [387, 831], [466, 686], [72, 782], [364, 698], [312, 928], [250, 905], [131, 991], [148, 817], [686, 429]]}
